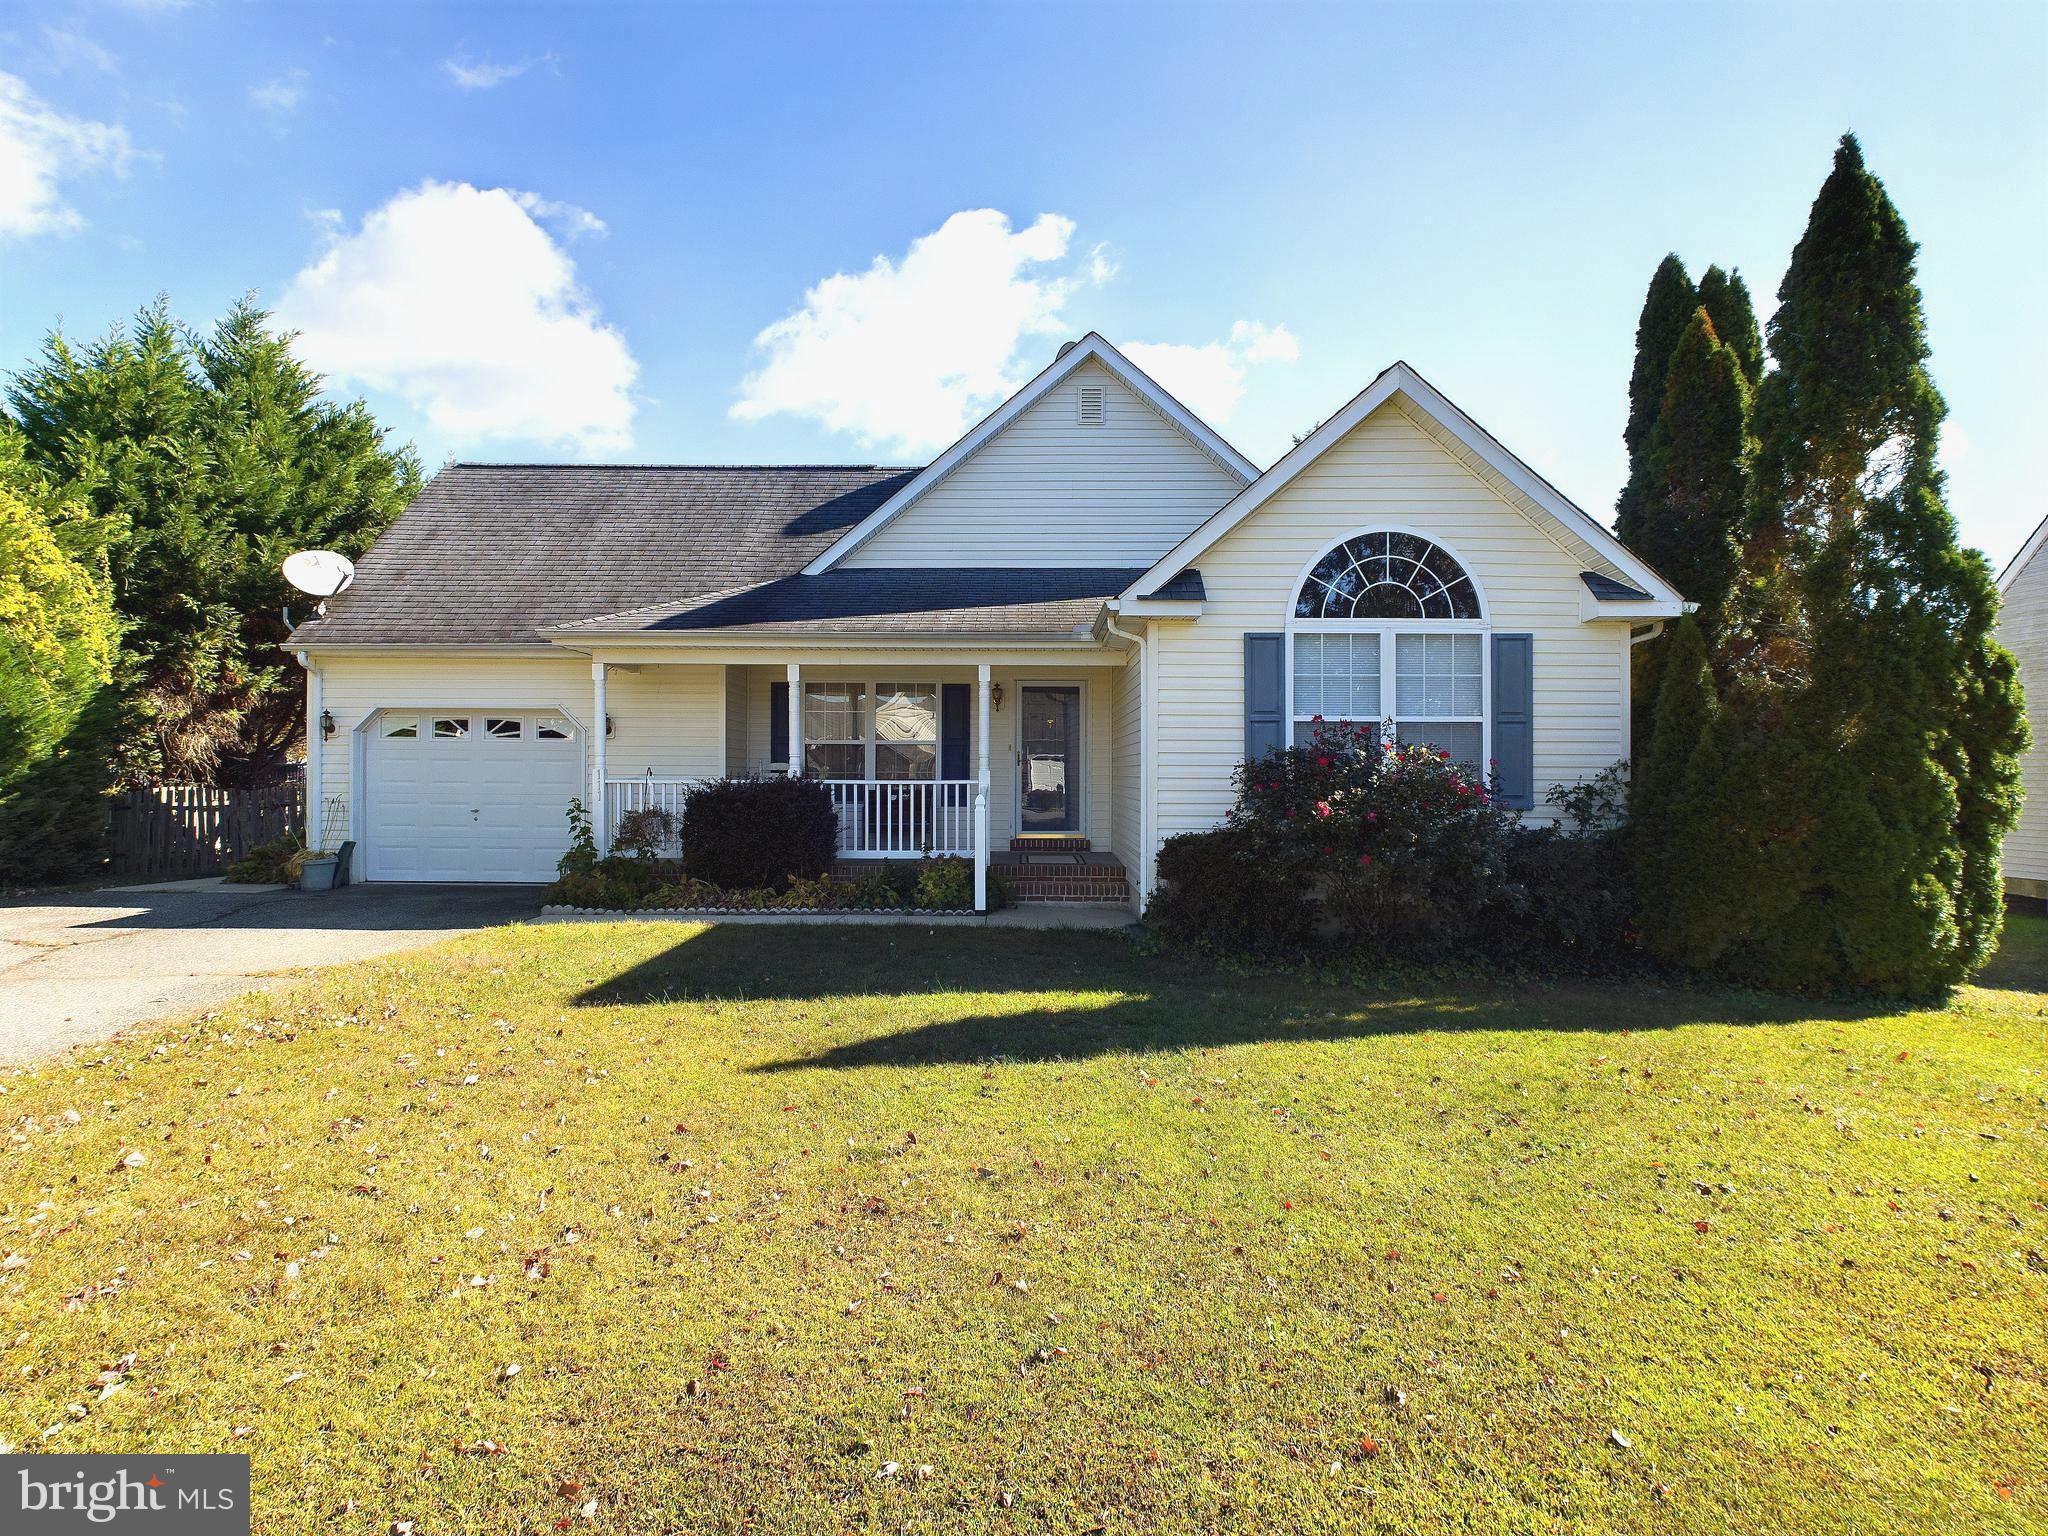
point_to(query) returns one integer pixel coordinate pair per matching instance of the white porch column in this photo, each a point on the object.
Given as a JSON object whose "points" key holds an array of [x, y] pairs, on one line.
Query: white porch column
{"points": [[600, 810], [796, 719], [981, 796]]}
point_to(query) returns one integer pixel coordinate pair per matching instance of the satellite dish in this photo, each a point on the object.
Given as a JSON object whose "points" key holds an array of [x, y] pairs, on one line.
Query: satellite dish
{"points": [[319, 573]]}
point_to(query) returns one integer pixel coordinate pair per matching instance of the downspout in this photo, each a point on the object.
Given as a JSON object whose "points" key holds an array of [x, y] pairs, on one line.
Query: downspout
{"points": [[1144, 870]]}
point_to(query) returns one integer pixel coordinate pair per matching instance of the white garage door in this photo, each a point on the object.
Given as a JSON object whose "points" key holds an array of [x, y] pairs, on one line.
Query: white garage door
{"points": [[468, 794]]}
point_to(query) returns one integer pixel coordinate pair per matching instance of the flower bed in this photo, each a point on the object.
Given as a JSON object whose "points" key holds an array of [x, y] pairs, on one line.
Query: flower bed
{"points": [[623, 884]]}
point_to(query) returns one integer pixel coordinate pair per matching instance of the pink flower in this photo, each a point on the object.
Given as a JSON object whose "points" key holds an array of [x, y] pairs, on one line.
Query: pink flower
{"points": [[1323, 808], [1365, 858], [1372, 815], [1290, 810], [1329, 850], [1322, 762]]}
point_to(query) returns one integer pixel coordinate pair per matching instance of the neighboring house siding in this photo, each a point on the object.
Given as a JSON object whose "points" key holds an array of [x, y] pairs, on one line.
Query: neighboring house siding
{"points": [[2023, 630], [1386, 472], [667, 718], [1047, 490]]}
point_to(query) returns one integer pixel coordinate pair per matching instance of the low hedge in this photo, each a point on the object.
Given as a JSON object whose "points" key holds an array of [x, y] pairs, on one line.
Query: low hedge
{"points": [[621, 884], [758, 834]]}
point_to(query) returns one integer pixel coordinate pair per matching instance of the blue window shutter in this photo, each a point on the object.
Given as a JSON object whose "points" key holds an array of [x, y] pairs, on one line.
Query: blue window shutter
{"points": [[778, 722], [953, 717], [1514, 719], [1265, 693]]}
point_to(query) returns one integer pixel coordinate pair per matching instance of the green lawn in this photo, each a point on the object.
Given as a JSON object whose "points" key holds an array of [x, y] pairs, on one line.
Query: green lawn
{"points": [[1065, 1235]]}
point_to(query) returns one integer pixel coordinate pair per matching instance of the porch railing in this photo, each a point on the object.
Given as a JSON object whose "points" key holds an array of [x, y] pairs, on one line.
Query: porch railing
{"points": [[625, 796], [903, 818], [878, 819]]}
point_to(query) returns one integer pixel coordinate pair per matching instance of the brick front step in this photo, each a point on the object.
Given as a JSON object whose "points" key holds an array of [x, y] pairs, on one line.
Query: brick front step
{"points": [[1076, 885], [1048, 842]]}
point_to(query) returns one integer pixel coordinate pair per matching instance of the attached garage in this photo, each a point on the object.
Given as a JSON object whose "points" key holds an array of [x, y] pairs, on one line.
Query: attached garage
{"points": [[465, 795]]}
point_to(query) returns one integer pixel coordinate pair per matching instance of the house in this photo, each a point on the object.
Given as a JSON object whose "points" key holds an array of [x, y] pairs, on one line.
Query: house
{"points": [[1045, 650], [2023, 630]]}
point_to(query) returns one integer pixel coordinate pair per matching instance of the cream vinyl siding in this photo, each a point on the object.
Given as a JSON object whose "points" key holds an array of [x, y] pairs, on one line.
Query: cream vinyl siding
{"points": [[1386, 471], [1097, 736], [670, 719], [1047, 490], [1126, 706], [2023, 630], [736, 694]]}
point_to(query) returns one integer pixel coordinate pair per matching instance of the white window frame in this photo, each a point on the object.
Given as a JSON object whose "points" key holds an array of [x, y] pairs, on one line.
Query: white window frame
{"points": [[1387, 629], [870, 696]]}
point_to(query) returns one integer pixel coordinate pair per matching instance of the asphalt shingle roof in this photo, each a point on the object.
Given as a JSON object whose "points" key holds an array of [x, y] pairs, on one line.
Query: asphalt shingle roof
{"points": [[492, 554], [926, 600], [1606, 589]]}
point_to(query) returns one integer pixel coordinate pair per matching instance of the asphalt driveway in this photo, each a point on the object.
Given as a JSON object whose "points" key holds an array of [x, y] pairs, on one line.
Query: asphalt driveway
{"points": [[83, 965]]}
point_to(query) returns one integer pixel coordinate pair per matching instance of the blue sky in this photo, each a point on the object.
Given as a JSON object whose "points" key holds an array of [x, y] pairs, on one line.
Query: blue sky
{"points": [[788, 233]]}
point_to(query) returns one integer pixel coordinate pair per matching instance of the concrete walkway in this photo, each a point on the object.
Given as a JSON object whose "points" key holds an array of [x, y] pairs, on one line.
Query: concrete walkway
{"points": [[85, 964]]}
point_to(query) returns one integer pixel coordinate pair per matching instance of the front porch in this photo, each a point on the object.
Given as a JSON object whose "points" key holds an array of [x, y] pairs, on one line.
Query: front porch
{"points": [[1025, 768]]}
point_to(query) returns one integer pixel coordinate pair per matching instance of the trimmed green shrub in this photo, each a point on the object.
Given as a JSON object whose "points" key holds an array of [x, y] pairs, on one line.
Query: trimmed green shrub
{"points": [[1226, 891], [743, 834], [946, 884]]}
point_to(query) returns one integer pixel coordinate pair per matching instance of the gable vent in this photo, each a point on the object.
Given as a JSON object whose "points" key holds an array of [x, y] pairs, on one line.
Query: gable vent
{"points": [[1091, 405]]}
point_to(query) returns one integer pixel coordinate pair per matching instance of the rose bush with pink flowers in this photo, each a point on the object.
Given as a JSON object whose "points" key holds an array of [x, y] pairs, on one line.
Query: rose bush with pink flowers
{"points": [[1351, 841]]}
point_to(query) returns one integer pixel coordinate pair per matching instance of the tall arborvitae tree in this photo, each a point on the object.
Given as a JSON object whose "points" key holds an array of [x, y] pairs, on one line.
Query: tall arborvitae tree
{"points": [[212, 457], [1725, 298], [1667, 309], [1696, 480], [1902, 728]]}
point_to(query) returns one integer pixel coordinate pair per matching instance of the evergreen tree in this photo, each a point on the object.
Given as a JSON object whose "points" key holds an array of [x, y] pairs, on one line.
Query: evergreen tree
{"points": [[1725, 298], [58, 636], [1696, 484], [1686, 707], [1667, 309], [1904, 723], [213, 457]]}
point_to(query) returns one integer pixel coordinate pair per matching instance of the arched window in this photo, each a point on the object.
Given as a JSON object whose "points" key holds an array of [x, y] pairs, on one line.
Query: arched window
{"points": [[1387, 576], [1389, 629]]}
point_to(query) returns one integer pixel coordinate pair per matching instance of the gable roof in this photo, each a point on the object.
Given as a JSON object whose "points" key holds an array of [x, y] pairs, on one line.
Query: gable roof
{"points": [[2028, 550], [875, 600], [495, 554], [1090, 348], [1420, 396]]}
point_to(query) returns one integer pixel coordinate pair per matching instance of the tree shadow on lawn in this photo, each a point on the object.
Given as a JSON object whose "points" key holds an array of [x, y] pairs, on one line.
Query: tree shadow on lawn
{"points": [[1129, 1000]]}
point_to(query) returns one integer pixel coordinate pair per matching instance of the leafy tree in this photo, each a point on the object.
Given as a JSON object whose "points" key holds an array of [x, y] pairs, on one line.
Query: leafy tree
{"points": [[1667, 308], [212, 456], [58, 638]]}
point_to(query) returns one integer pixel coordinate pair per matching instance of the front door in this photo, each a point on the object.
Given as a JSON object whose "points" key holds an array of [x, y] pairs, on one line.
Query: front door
{"points": [[1049, 758]]}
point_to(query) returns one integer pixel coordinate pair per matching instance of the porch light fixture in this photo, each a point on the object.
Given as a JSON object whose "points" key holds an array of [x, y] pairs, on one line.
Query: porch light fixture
{"points": [[995, 696], [611, 726], [326, 723]]}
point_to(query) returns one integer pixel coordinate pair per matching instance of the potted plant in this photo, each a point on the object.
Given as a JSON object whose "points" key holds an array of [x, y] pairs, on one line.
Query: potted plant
{"points": [[313, 868]]}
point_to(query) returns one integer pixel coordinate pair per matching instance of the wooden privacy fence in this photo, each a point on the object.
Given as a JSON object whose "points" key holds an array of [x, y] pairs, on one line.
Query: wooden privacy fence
{"points": [[181, 831]]}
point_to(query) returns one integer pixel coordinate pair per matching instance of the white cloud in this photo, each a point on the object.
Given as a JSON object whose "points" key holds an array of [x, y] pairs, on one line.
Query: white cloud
{"points": [[482, 74], [907, 355], [454, 299], [1103, 263], [1210, 379], [39, 148], [282, 94], [567, 217], [74, 50]]}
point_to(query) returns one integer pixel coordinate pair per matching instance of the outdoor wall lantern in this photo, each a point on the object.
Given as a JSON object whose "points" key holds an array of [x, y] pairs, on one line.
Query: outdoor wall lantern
{"points": [[611, 726], [326, 723], [995, 697]]}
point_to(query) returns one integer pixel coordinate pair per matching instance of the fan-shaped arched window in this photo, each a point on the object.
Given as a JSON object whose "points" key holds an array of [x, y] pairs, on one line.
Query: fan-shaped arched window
{"points": [[1387, 576], [1358, 656]]}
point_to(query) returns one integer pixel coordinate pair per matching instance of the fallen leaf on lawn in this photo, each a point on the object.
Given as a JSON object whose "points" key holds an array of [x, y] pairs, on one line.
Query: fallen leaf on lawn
{"points": [[1620, 1439]]}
